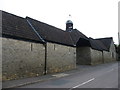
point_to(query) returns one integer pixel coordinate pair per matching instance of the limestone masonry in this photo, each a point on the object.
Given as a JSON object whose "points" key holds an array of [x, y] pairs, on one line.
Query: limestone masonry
{"points": [[32, 48]]}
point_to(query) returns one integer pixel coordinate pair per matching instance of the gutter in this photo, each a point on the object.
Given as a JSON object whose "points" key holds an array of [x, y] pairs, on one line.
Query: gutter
{"points": [[35, 31]]}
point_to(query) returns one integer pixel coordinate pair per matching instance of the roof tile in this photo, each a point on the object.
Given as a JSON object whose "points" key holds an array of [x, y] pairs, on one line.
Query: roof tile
{"points": [[17, 27], [50, 33]]}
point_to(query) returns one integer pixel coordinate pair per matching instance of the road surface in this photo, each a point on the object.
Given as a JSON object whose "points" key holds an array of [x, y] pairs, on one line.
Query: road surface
{"points": [[100, 76]]}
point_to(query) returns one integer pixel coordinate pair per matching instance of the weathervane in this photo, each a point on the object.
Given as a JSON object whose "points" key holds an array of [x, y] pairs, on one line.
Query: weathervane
{"points": [[69, 15]]}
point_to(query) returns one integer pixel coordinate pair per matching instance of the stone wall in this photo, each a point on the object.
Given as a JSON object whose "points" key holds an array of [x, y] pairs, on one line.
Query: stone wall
{"points": [[60, 58], [96, 57], [113, 52], [89, 56], [107, 56], [22, 59], [83, 55]]}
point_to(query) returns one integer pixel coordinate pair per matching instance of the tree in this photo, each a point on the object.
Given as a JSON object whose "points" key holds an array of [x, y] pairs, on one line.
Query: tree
{"points": [[117, 47], [118, 50]]}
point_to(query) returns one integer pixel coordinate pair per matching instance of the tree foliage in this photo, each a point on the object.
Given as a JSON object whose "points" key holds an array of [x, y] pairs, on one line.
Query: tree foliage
{"points": [[118, 51]]}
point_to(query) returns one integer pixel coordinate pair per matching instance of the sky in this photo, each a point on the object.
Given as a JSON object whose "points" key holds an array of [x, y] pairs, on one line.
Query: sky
{"points": [[94, 18]]}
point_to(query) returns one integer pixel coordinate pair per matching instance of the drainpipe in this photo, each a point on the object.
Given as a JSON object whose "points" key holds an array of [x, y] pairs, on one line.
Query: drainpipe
{"points": [[45, 68], [102, 56], [45, 45], [35, 31]]}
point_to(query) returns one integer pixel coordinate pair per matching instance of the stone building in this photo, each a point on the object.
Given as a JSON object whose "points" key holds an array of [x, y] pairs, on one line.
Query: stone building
{"points": [[110, 53], [61, 51], [23, 53], [32, 48], [79, 39], [96, 51], [91, 51]]}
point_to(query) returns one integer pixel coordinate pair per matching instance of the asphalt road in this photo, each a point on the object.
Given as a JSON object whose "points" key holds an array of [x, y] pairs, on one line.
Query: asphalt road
{"points": [[101, 76]]}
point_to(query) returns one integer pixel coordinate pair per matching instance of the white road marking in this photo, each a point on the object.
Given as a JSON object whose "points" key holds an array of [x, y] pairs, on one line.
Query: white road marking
{"points": [[82, 83], [110, 70]]}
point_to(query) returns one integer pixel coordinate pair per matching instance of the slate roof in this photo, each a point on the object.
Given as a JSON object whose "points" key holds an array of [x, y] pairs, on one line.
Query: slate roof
{"points": [[17, 27], [106, 41], [101, 44], [78, 37], [97, 44], [50, 33]]}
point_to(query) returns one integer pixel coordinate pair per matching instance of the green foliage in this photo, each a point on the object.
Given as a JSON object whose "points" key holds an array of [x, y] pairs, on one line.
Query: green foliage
{"points": [[118, 51], [116, 47]]}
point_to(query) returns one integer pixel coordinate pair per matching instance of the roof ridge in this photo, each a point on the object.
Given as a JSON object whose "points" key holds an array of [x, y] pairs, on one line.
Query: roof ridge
{"points": [[105, 38], [12, 14]]}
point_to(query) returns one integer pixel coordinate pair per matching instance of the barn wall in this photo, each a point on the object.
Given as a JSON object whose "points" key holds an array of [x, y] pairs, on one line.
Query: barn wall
{"points": [[107, 56], [22, 59], [96, 57], [60, 58], [83, 56], [113, 52]]}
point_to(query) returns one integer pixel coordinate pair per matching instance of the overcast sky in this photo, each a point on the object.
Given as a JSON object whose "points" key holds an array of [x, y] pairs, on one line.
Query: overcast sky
{"points": [[94, 18]]}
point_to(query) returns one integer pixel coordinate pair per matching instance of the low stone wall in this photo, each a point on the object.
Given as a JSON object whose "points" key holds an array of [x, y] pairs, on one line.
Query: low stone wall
{"points": [[22, 59], [60, 58], [96, 57], [83, 56]]}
